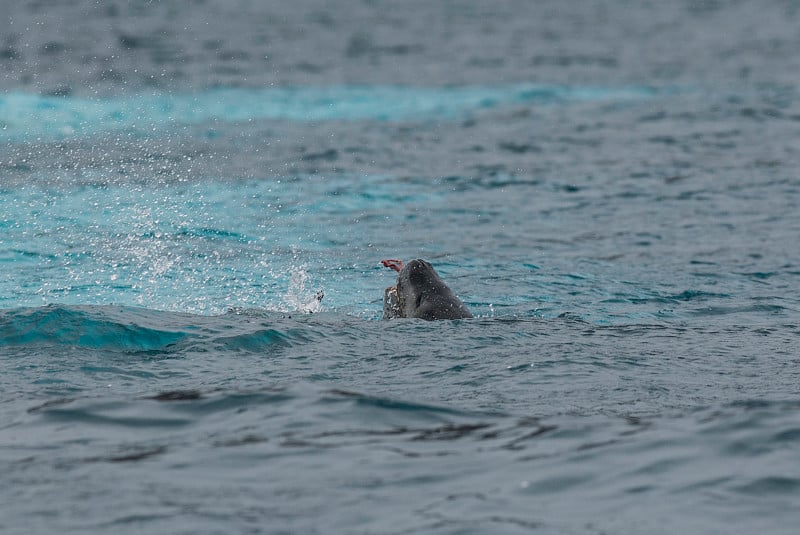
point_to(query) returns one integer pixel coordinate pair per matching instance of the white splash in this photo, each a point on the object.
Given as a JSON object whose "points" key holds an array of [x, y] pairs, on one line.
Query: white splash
{"points": [[298, 297]]}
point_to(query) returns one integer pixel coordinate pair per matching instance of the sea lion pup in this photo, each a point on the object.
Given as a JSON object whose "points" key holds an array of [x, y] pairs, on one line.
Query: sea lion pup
{"points": [[420, 293]]}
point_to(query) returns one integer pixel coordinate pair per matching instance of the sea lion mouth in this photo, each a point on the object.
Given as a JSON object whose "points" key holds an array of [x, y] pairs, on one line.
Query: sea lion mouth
{"points": [[401, 294], [401, 301]]}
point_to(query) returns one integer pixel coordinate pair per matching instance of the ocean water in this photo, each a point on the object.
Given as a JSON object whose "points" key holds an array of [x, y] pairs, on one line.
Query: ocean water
{"points": [[612, 188]]}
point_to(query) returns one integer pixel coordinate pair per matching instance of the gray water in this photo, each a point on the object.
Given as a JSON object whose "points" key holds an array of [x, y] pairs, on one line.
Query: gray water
{"points": [[610, 187]]}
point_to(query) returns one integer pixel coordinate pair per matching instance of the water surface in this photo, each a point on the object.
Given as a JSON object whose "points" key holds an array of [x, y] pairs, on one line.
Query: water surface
{"points": [[611, 189]]}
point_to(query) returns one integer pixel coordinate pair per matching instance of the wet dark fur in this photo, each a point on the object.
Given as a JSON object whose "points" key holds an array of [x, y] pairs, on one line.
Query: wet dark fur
{"points": [[421, 293]]}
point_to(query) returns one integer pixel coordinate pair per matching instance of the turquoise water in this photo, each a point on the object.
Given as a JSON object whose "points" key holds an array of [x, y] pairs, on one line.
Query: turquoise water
{"points": [[52, 117], [611, 189]]}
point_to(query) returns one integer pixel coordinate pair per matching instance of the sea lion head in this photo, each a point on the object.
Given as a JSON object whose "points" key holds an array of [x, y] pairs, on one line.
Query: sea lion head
{"points": [[421, 293]]}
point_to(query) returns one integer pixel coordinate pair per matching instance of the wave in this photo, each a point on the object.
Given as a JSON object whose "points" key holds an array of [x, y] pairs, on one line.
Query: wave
{"points": [[24, 116], [86, 327], [134, 330], [302, 415], [306, 416]]}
